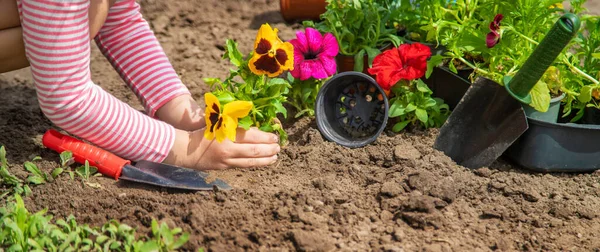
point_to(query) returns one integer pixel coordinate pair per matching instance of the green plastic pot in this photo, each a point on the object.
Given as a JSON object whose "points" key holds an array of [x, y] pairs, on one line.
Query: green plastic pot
{"points": [[549, 116]]}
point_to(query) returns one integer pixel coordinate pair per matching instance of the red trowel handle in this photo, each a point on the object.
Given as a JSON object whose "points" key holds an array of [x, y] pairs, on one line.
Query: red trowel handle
{"points": [[106, 162]]}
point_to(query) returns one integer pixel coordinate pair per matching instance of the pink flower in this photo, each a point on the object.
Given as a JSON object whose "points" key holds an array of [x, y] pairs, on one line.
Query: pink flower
{"points": [[493, 37], [314, 54]]}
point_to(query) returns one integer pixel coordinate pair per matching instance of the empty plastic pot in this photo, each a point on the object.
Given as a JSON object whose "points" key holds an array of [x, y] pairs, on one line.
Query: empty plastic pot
{"points": [[351, 109]]}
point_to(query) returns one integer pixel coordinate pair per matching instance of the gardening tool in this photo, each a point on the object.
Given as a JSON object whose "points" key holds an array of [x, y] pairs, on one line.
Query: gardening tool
{"points": [[489, 118], [351, 109], [158, 174]]}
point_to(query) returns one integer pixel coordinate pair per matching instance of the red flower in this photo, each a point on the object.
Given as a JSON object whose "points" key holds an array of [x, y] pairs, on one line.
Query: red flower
{"points": [[406, 62], [495, 25], [494, 37]]}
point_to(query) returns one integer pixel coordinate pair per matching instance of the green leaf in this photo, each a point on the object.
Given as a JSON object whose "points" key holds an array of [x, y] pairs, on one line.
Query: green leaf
{"points": [[359, 61], [306, 92], [400, 126], [56, 172], [266, 128], [279, 108], [540, 97], [245, 122], [31, 167], [396, 109], [3, 161], [26, 190], [308, 23], [596, 55], [421, 115], [35, 179], [65, 158], [371, 53], [452, 67], [225, 97], [154, 226], [430, 103], [181, 241], [410, 107], [101, 239], [232, 52], [115, 245], [277, 81], [150, 246], [36, 158], [585, 95], [422, 87], [432, 63]]}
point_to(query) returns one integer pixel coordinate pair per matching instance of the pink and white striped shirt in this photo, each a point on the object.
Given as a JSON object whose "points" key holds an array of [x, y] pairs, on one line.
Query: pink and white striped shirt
{"points": [[56, 36]]}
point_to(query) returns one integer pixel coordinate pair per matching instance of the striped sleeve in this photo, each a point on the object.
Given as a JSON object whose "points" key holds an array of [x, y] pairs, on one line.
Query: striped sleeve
{"points": [[56, 36], [132, 48]]}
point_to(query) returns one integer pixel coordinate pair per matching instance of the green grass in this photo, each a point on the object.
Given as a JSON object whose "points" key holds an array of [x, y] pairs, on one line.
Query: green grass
{"points": [[21, 230]]}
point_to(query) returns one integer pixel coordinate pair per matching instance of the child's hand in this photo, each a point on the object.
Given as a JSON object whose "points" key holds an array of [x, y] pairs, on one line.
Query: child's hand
{"points": [[183, 113], [253, 148]]}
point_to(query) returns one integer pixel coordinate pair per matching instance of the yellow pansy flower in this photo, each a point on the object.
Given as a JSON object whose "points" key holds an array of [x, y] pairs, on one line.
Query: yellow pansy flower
{"points": [[221, 124], [271, 55]]}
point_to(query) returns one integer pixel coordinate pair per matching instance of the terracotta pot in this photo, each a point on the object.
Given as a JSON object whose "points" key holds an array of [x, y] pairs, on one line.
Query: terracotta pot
{"points": [[345, 63], [295, 10]]}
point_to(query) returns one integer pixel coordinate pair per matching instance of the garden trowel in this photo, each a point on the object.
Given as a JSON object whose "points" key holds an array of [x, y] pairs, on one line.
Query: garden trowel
{"points": [[489, 118], [147, 172]]}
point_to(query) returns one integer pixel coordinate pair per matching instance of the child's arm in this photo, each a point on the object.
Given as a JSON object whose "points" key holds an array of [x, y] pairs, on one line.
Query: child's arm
{"points": [[56, 38], [131, 47]]}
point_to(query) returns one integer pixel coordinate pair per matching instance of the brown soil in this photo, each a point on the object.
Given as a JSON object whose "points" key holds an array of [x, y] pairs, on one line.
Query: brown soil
{"points": [[396, 194]]}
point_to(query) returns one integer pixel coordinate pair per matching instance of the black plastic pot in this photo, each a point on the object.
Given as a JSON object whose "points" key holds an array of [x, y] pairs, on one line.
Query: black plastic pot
{"points": [[591, 115], [447, 85], [557, 147], [351, 109]]}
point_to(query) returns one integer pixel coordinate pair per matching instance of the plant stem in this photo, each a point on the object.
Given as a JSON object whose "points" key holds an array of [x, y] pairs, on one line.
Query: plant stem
{"points": [[472, 66], [564, 59], [523, 36], [579, 71]]}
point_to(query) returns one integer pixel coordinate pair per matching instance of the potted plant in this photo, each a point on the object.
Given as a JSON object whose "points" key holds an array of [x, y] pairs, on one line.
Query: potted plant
{"points": [[361, 31], [494, 39], [450, 29], [252, 94], [398, 71], [584, 92]]}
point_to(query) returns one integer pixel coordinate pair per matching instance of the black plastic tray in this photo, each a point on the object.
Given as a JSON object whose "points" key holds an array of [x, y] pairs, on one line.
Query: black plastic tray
{"points": [[557, 147]]}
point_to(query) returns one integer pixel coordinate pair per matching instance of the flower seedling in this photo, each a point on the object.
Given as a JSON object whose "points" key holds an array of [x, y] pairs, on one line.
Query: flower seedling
{"points": [[21, 230], [66, 159], [85, 172], [399, 71], [166, 237], [9, 183], [37, 177], [361, 28], [255, 81], [314, 63]]}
